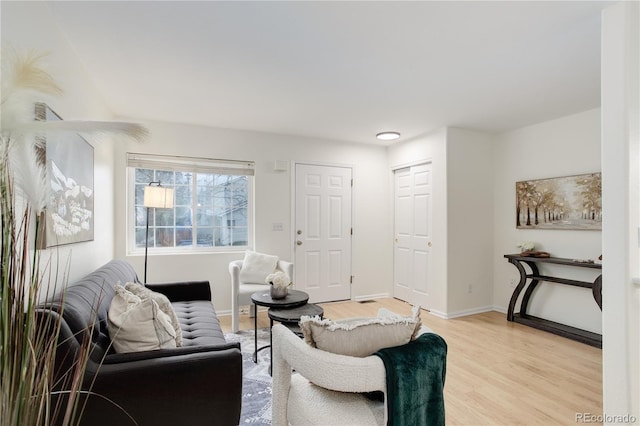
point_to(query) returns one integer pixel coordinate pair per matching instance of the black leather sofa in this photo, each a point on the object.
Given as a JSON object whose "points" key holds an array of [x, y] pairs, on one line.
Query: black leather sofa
{"points": [[199, 383]]}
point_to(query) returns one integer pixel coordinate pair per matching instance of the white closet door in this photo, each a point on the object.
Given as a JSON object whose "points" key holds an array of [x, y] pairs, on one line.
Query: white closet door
{"points": [[413, 231]]}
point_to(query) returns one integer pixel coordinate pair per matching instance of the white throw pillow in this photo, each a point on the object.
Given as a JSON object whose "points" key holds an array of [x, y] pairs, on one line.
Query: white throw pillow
{"points": [[361, 337], [137, 324], [163, 303], [257, 266]]}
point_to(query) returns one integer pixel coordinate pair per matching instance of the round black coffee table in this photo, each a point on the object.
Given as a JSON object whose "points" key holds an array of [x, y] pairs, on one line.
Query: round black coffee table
{"points": [[294, 299]]}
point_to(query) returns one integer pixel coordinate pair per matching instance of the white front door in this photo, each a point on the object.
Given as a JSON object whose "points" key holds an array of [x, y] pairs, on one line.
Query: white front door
{"points": [[323, 232], [412, 248]]}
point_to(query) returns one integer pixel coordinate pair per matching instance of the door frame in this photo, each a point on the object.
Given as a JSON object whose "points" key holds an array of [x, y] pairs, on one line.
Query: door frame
{"points": [[292, 232]]}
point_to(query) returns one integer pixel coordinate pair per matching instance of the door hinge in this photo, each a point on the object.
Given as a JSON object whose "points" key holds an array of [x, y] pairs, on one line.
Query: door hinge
{"points": [[351, 182], [351, 279], [351, 231]]}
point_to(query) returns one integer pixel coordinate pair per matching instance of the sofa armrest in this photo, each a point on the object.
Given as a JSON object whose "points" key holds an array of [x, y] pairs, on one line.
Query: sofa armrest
{"points": [[196, 388], [234, 272], [286, 267], [183, 291]]}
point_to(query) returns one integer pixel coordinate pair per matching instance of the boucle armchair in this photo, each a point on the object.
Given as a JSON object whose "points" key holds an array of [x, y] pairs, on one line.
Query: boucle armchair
{"points": [[326, 389], [241, 292]]}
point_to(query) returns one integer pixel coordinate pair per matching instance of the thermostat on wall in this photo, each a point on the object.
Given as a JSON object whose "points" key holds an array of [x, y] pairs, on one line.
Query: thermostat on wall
{"points": [[280, 165]]}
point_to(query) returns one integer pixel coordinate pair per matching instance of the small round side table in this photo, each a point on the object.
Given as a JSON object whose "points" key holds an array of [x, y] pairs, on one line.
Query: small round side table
{"points": [[294, 299], [290, 318]]}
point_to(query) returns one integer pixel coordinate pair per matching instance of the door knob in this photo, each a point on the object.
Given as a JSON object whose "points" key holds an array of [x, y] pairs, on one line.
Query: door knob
{"points": [[299, 243], [429, 244], [299, 232]]}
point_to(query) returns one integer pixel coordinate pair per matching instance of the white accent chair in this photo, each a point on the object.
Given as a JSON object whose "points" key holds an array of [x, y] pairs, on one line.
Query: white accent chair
{"points": [[241, 292], [324, 390], [309, 398]]}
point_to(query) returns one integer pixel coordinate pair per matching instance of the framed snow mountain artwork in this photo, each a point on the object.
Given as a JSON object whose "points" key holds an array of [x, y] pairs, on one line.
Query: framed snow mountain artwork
{"points": [[569, 202], [69, 165]]}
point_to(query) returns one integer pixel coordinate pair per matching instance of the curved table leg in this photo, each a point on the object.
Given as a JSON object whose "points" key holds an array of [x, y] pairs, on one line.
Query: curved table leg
{"points": [[597, 291], [532, 286], [517, 290]]}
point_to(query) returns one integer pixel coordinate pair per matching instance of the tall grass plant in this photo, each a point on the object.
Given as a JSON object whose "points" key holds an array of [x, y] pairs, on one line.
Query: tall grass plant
{"points": [[30, 387]]}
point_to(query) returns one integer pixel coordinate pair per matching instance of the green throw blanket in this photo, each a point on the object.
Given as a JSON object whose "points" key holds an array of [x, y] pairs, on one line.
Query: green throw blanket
{"points": [[415, 381]]}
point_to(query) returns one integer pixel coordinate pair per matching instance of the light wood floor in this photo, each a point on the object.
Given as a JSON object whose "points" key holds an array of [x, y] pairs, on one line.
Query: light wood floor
{"points": [[498, 373]]}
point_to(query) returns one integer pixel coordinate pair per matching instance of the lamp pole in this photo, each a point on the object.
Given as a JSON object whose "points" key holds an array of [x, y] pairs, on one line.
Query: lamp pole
{"points": [[146, 238], [155, 197], [146, 246]]}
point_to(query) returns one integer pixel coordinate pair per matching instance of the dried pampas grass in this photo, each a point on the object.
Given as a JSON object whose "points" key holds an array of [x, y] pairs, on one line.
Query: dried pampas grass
{"points": [[29, 174], [28, 394], [24, 73], [24, 83]]}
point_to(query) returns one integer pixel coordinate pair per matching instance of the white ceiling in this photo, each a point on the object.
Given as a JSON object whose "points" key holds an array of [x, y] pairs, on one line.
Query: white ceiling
{"points": [[340, 70]]}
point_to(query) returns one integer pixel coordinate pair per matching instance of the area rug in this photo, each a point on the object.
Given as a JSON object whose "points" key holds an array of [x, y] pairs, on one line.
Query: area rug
{"points": [[256, 381]]}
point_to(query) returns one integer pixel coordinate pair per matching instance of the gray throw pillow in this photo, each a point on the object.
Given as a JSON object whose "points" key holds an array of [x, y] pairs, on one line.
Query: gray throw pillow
{"points": [[361, 337], [162, 301], [137, 324]]}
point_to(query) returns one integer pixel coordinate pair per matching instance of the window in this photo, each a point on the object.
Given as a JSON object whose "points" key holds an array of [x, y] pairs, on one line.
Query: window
{"points": [[212, 209]]}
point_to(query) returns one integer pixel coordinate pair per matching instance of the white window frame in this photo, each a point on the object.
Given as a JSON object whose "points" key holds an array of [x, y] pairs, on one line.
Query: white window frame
{"points": [[194, 165]]}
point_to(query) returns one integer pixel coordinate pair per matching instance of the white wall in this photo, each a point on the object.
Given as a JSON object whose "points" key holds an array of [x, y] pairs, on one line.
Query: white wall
{"points": [[621, 207], [28, 26], [462, 217], [429, 148], [562, 147], [470, 166], [372, 246]]}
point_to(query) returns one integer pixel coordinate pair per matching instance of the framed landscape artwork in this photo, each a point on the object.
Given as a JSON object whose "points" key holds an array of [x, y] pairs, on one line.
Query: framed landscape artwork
{"points": [[69, 165], [570, 202]]}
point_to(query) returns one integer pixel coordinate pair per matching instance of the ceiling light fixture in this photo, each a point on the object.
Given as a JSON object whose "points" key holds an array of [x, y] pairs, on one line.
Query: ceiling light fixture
{"points": [[388, 136]]}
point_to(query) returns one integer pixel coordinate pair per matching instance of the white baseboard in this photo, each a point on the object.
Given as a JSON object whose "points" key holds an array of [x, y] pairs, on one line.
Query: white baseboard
{"points": [[370, 297], [439, 314], [470, 312], [457, 314], [244, 310], [500, 309]]}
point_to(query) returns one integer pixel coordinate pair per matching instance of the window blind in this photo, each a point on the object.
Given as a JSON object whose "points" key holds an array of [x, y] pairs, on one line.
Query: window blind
{"points": [[199, 165]]}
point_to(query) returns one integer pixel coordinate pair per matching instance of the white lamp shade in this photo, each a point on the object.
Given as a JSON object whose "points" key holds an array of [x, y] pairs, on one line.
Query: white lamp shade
{"points": [[158, 197]]}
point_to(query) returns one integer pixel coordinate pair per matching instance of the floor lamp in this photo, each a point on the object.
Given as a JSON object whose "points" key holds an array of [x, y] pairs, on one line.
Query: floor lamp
{"points": [[155, 197]]}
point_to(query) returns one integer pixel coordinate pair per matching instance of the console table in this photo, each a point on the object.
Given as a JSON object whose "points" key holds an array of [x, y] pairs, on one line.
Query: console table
{"points": [[534, 278]]}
